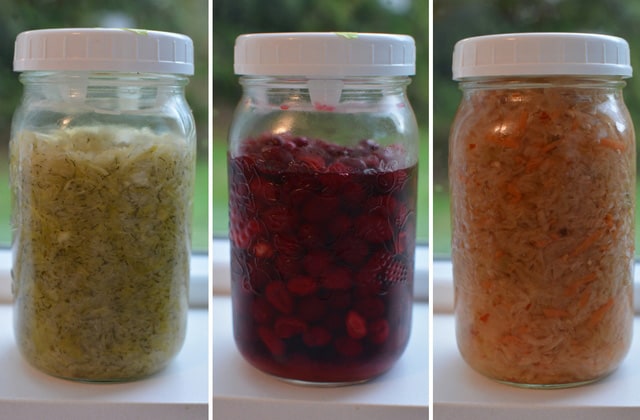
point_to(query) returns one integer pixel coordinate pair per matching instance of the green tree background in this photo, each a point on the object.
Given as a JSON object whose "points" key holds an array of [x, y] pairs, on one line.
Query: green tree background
{"points": [[235, 17], [457, 19], [189, 17]]}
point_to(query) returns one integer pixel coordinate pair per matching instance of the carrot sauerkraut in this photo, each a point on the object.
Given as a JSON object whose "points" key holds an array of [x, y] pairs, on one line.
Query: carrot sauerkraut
{"points": [[543, 191]]}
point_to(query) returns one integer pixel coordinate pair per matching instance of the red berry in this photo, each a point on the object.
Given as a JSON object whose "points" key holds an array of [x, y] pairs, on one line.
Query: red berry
{"points": [[312, 309], [287, 327], [374, 227], [287, 245], [317, 262], [263, 250], [278, 296], [277, 219], [288, 266], [261, 311], [271, 341], [309, 161], [312, 235], [337, 279], [356, 325], [378, 331], [276, 157], [353, 193], [320, 208], [339, 299], [302, 285], [370, 307], [264, 191], [348, 346], [352, 251], [242, 235], [316, 337], [341, 226], [387, 182]]}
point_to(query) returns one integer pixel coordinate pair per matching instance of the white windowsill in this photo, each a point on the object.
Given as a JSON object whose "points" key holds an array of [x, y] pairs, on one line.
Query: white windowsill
{"points": [[242, 392], [180, 391], [177, 392], [459, 392]]}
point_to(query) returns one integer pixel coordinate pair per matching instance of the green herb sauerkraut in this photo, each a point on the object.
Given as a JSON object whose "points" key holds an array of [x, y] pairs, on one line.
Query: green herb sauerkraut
{"points": [[101, 223], [543, 192]]}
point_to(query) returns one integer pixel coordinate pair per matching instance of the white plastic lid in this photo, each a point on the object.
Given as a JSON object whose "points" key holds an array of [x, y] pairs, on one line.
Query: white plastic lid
{"points": [[100, 49], [535, 54], [328, 55]]}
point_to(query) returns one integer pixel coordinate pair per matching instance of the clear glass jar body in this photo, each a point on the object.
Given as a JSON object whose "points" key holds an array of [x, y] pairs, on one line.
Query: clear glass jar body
{"points": [[102, 169], [542, 174], [322, 226]]}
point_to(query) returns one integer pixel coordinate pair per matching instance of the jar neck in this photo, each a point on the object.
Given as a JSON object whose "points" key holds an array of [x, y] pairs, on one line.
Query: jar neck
{"points": [[541, 82], [365, 82], [295, 92], [105, 79]]}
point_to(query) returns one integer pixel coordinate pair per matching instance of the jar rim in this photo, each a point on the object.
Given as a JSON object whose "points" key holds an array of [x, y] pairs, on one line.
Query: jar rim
{"points": [[541, 53], [325, 54], [103, 49]]}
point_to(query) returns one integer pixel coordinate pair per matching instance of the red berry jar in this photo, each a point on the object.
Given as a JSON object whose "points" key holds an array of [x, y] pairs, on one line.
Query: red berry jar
{"points": [[322, 182]]}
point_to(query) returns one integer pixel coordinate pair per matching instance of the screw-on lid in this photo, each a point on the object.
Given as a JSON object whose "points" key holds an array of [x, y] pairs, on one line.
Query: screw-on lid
{"points": [[537, 54], [99, 49], [328, 55]]}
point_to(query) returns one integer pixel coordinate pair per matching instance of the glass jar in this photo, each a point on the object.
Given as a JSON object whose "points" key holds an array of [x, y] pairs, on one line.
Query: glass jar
{"points": [[102, 166], [542, 173], [322, 181]]}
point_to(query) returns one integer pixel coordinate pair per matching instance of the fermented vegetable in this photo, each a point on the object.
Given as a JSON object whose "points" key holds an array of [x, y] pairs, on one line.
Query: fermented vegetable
{"points": [[101, 225], [543, 190]]}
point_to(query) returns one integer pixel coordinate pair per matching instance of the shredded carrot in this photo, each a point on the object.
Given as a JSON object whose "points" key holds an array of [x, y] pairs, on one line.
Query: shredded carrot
{"points": [[555, 313], [608, 220], [510, 339], [550, 147], [613, 144], [575, 287], [515, 193], [542, 242], [588, 241], [599, 313], [502, 140], [486, 284], [584, 298], [522, 122], [533, 164]]}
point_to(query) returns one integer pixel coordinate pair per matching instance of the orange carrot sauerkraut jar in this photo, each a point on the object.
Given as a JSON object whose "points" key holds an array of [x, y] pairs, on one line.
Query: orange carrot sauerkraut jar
{"points": [[542, 173]]}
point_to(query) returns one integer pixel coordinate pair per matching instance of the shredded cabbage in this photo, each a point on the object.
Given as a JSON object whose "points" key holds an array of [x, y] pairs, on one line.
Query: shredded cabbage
{"points": [[101, 223], [543, 193]]}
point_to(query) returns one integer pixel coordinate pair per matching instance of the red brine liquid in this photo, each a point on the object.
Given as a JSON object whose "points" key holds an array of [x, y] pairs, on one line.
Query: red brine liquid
{"points": [[322, 246]]}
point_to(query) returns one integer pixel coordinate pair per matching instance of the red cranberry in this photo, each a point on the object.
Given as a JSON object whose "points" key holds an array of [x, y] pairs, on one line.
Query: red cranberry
{"points": [[322, 253]]}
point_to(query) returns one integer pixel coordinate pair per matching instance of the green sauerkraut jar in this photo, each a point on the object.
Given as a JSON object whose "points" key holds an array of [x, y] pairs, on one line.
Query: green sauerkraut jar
{"points": [[102, 159], [542, 169]]}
